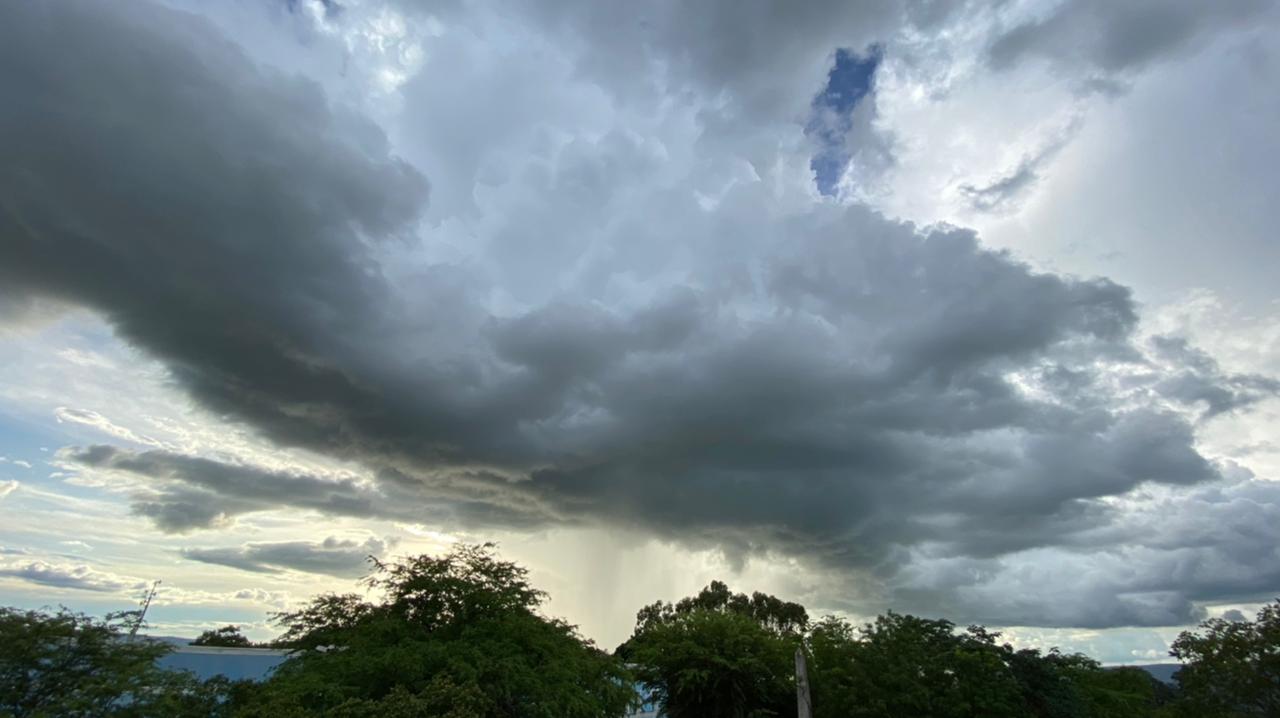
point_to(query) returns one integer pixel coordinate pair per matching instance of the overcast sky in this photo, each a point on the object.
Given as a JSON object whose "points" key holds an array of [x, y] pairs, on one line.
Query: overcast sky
{"points": [[960, 309]]}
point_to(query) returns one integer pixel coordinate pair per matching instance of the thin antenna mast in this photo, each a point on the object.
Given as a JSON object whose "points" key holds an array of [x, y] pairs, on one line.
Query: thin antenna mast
{"points": [[142, 614]]}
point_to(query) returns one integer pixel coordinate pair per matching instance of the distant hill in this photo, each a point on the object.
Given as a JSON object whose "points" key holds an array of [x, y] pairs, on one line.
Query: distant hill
{"points": [[171, 640], [1162, 672]]}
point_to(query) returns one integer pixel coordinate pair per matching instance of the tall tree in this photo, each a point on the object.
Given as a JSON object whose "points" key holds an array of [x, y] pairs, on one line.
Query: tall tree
{"points": [[225, 637], [456, 636], [719, 654], [1232, 667], [904, 665]]}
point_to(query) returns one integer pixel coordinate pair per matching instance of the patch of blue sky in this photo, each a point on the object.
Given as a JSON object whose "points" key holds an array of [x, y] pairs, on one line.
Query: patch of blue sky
{"points": [[851, 79], [29, 445], [22, 440]]}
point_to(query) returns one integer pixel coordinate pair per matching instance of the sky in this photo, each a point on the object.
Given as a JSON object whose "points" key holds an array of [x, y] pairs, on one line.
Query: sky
{"points": [[957, 309]]}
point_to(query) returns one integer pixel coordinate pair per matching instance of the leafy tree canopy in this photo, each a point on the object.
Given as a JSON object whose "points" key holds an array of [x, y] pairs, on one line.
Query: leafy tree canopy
{"points": [[771, 613], [456, 636], [70, 665], [719, 654], [1232, 667], [461, 636], [905, 665], [227, 637]]}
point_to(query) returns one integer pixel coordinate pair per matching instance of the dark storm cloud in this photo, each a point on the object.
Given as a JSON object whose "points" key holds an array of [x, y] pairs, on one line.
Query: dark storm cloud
{"points": [[216, 213], [1114, 37], [184, 493], [823, 381], [333, 556], [1155, 565]]}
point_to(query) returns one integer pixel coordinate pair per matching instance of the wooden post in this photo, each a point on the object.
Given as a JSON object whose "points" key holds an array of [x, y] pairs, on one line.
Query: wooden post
{"points": [[804, 702]]}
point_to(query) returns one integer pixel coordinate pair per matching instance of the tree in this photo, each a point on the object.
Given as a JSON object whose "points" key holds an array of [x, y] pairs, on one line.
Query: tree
{"points": [[69, 664], [227, 637], [905, 665], [1232, 667], [1124, 692], [719, 654], [1049, 683], [834, 672], [453, 636], [1072, 685], [440, 697]]}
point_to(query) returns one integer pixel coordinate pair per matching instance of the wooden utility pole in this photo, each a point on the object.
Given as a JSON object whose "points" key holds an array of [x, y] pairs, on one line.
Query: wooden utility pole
{"points": [[804, 702]]}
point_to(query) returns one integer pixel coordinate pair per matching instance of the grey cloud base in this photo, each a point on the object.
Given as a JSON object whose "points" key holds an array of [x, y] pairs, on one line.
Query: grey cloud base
{"points": [[337, 557], [191, 492], [794, 378], [78, 577]]}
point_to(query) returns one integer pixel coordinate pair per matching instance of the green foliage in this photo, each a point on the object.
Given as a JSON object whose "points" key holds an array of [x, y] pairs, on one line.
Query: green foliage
{"points": [[712, 664], [719, 654], [68, 664], [1055, 685], [461, 636], [772, 613], [1117, 692], [323, 622], [439, 698], [454, 636], [227, 637], [1046, 683], [904, 665], [1232, 667], [180, 694]]}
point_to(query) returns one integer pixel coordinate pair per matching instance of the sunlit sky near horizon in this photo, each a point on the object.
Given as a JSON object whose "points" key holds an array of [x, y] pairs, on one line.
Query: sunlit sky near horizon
{"points": [[959, 309]]}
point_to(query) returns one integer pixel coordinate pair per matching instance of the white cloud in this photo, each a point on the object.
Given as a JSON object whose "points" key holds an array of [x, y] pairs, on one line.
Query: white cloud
{"points": [[85, 358], [167, 595], [78, 577], [93, 419]]}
